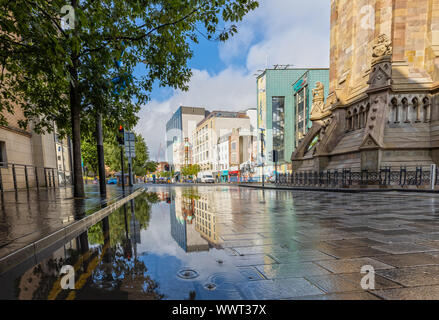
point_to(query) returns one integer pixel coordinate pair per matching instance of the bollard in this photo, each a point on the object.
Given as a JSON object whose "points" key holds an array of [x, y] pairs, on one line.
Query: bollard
{"points": [[25, 176], [14, 177], [36, 178], [432, 176], [45, 177]]}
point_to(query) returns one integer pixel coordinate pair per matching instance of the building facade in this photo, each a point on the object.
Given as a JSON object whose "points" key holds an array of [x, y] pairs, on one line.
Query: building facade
{"points": [[284, 107], [207, 134], [28, 159], [182, 123], [382, 108]]}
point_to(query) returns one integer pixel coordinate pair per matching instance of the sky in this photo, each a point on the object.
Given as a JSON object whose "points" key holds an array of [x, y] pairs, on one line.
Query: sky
{"points": [[294, 32]]}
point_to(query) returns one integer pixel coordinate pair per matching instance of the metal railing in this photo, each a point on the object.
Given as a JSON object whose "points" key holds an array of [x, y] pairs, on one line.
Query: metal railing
{"points": [[345, 178], [15, 176]]}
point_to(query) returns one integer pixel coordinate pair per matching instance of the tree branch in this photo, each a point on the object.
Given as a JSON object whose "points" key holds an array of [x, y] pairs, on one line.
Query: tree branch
{"points": [[118, 38]]}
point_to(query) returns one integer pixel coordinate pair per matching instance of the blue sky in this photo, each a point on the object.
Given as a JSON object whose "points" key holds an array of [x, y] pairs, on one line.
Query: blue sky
{"points": [[278, 32]]}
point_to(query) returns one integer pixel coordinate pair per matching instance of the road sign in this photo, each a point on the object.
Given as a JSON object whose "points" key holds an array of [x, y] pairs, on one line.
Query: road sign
{"points": [[130, 139], [129, 136]]}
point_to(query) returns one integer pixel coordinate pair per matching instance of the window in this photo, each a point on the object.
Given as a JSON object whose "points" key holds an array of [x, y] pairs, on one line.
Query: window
{"points": [[278, 111], [3, 160], [302, 111]]}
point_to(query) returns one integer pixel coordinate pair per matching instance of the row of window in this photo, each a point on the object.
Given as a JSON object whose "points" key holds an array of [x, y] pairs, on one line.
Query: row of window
{"points": [[357, 118], [415, 111]]}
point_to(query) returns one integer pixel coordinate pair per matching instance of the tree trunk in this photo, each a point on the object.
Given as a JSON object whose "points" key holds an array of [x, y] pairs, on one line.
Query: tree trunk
{"points": [[75, 107], [101, 160]]}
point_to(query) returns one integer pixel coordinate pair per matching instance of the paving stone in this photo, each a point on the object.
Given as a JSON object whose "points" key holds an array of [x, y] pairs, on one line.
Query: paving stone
{"points": [[291, 270], [409, 259], [352, 265], [358, 242], [332, 283], [352, 252], [259, 249], [278, 289], [342, 296], [300, 256], [418, 293], [252, 260], [398, 248], [251, 274], [413, 276], [380, 282], [432, 244], [396, 232], [241, 236]]}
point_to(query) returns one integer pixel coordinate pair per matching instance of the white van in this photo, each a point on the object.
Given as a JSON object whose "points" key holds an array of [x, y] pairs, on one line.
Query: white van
{"points": [[206, 178]]}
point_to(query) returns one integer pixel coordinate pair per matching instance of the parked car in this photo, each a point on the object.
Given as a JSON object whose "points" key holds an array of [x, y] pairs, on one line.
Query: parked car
{"points": [[112, 181]]}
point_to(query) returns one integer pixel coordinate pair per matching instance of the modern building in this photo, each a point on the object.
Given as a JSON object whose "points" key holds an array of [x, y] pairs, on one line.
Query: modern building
{"points": [[382, 108], [183, 223], [207, 134], [284, 107], [178, 128], [28, 158]]}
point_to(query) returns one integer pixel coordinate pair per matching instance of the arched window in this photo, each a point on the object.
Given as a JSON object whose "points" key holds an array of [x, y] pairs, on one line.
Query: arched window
{"points": [[355, 125], [349, 121], [416, 109], [405, 108], [427, 109], [395, 110], [362, 117], [367, 114]]}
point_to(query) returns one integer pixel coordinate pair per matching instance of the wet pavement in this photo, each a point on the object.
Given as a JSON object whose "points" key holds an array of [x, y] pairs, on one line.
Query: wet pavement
{"points": [[26, 216], [221, 242]]}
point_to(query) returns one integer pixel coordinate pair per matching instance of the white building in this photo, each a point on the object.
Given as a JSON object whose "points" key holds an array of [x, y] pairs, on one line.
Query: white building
{"points": [[208, 131]]}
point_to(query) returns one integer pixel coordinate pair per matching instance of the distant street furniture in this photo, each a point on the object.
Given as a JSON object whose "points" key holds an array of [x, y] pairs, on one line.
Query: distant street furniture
{"points": [[415, 178], [15, 177]]}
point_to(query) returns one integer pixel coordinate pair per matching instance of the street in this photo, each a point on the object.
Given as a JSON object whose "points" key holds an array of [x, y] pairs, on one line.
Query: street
{"points": [[229, 243]]}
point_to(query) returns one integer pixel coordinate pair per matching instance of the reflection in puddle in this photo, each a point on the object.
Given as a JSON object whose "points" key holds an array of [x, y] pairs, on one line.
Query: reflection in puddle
{"points": [[162, 245]]}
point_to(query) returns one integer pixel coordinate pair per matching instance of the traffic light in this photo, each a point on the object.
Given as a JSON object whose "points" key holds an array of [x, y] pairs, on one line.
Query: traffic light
{"points": [[274, 156], [121, 136]]}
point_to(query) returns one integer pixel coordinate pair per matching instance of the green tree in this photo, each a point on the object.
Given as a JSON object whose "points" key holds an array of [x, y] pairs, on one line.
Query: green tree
{"points": [[60, 76], [190, 170]]}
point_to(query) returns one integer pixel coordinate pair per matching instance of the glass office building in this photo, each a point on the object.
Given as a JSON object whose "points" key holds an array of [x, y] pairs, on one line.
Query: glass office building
{"points": [[284, 108]]}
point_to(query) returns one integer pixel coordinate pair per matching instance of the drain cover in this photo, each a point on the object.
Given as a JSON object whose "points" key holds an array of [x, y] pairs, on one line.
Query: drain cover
{"points": [[187, 273]]}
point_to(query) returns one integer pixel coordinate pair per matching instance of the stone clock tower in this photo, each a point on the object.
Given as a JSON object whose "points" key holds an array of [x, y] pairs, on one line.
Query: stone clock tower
{"points": [[383, 105]]}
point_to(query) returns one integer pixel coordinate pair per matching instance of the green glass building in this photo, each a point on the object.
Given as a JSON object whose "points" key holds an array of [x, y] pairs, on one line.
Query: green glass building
{"points": [[284, 108]]}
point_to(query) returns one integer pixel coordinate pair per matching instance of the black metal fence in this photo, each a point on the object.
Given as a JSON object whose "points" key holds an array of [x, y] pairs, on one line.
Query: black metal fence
{"points": [[346, 178], [19, 176]]}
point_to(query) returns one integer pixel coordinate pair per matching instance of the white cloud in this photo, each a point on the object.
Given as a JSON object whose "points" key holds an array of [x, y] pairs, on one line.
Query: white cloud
{"points": [[286, 31], [231, 89]]}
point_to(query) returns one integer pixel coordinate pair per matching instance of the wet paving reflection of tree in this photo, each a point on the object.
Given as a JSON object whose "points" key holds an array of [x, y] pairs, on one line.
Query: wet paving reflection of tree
{"points": [[103, 260]]}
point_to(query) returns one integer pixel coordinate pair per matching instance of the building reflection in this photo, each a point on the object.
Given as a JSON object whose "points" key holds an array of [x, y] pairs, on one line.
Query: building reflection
{"points": [[206, 221], [104, 260], [183, 228], [195, 224]]}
